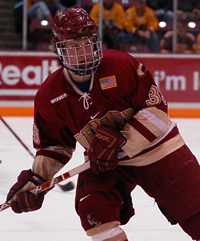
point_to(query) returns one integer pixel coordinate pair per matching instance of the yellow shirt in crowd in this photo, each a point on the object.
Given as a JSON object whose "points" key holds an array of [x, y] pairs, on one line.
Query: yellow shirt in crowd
{"points": [[116, 13], [133, 21]]}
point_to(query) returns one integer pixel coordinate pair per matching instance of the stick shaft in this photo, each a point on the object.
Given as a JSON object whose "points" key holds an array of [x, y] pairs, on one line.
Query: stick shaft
{"points": [[16, 136], [49, 184]]}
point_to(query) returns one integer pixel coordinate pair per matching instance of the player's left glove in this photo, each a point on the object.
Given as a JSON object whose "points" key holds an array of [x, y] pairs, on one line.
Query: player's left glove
{"points": [[23, 200], [103, 153]]}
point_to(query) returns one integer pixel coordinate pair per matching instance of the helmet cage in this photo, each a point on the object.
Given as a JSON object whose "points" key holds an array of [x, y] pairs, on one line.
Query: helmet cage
{"points": [[82, 59]]}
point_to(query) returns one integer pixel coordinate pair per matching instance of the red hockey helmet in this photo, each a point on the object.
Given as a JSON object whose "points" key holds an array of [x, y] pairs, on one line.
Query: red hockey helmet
{"points": [[72, 23], [77, 42]]}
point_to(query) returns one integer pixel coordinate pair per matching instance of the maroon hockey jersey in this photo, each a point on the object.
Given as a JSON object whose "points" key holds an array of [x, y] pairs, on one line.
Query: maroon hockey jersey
{"points": [[122, 95]]}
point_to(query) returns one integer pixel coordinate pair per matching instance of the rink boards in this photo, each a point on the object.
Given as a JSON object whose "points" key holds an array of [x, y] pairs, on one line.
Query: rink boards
{"points": [[22, 72]]}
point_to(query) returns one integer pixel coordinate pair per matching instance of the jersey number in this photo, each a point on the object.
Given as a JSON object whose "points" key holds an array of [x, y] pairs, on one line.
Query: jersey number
{"points": [[155, 97]]}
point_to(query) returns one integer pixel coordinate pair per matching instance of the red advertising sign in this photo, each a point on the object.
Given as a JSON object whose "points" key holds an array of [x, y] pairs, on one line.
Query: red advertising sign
{"points": [[178, 76], [21, 74]]}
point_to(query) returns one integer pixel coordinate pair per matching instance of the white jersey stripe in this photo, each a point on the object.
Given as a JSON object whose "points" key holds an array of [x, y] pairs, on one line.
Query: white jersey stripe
{"points": [[155, 120]]}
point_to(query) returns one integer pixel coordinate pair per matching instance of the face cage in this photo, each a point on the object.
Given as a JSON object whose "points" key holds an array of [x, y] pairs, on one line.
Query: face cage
{"points": [[81, 56]]}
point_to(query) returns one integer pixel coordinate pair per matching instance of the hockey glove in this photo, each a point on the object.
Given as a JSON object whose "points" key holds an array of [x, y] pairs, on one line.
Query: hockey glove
{"points": [[103, 153], [22, 200]]}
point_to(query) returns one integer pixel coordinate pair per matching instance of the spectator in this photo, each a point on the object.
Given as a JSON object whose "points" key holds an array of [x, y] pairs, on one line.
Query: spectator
{"points": [[54, 5], [113, 20], [197, 44], [185, 40], [35, 9], [18, 14], [163, 9], [45, 9], [141, 26], [189, 8], [39, 9], [196, 11]]}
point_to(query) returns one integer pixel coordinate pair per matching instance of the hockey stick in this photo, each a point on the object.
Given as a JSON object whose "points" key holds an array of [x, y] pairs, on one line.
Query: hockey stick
{"points": [[51, 183], [66, 187], [16, 136]]}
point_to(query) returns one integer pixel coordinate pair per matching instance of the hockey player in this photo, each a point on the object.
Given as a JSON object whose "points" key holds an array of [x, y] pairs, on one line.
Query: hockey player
{"points": [[110, 104]]}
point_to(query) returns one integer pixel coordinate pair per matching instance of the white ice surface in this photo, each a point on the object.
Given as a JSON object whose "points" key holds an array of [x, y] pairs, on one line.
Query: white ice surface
{"points": [[57, 219]]}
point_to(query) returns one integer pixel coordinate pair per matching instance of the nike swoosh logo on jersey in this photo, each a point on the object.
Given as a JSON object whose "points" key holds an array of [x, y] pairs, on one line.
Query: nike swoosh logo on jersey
{"points": [[92, 117]]}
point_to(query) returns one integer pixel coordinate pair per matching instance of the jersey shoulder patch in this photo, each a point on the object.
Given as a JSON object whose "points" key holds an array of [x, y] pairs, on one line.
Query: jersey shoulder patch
{"points": [[108, 82]]}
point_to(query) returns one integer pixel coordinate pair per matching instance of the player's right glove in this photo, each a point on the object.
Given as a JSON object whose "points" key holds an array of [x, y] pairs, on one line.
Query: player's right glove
{"points": [[103, 152], [23, 200]]}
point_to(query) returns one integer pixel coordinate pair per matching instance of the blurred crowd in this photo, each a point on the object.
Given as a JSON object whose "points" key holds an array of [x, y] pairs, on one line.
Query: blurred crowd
{"points": [[133, 26]]}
